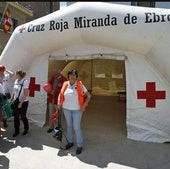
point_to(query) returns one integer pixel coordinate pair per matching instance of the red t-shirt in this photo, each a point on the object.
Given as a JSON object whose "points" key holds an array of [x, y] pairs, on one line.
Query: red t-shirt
{"points": [[53, 98]]}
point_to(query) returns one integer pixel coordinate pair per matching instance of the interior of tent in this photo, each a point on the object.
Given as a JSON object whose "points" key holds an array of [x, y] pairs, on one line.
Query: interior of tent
{"points": [[101, 76], [104, 78]]}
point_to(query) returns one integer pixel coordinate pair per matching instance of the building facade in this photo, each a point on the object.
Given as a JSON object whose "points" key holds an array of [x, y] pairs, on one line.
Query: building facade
{"points": [[138, 3], [40, 8], [19, 15], [22, 12]]}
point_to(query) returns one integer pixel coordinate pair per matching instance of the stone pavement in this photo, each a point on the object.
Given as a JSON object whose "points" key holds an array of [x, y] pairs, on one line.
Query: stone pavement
{"points": [[105, 145], [39, 150]]}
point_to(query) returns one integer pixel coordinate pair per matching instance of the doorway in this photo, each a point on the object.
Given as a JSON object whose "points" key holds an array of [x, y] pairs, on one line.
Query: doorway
{"points": [[104, 78]]}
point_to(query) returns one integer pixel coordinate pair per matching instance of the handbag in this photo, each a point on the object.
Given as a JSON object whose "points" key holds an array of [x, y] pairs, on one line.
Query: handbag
{"points": [[54, 116], [8, 95], [14, 104], [5, 108]]}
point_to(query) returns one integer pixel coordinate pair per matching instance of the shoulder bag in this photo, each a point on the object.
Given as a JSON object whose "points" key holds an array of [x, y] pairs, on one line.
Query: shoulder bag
{"points": [[14, 104]]}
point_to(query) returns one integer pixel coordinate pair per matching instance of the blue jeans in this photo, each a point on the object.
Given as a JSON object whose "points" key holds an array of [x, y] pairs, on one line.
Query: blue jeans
{"points": [[73, 120]]}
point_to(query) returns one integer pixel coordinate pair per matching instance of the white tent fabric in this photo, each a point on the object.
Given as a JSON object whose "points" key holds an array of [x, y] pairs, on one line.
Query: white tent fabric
{"points": [[88, 30], [150, 122]]}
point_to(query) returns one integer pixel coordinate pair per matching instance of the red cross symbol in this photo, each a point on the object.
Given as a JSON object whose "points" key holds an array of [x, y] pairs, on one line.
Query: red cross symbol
{"points": [[22, 29], [151, 94], [33, 87]]}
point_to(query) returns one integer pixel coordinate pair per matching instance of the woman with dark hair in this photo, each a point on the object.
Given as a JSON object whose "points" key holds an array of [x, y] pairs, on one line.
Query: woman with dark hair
{"points": [[73, 99], [20, 91]]}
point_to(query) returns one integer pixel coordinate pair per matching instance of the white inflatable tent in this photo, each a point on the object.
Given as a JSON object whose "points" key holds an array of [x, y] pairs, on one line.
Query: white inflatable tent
{"points": [[90, 30]]}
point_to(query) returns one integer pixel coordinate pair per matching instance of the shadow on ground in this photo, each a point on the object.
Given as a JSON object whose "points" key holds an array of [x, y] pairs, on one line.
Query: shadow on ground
{"points": [[105, 141]]}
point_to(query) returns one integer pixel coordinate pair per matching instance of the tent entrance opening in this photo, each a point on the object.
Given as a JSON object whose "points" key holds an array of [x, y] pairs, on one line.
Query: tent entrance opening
{"points": [[104, 78]]}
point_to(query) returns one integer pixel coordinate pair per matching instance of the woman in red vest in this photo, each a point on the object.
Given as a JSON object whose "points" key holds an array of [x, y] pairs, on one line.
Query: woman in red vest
{"points": [[73, 99]]}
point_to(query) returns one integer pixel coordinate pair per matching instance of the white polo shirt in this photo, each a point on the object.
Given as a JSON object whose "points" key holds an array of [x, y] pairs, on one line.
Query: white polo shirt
{"points": [[71, 97], [5, 82], [17, 87], [2, 89]]}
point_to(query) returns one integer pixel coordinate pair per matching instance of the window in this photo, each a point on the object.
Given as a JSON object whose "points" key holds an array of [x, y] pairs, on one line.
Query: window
{"points": [[99, 71], [146, 4], [117, 72], [14, 24], [2, 21]]}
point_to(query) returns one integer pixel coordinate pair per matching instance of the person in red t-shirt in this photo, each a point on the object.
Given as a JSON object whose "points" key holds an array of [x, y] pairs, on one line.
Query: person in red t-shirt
{"points": [[56, 80]]}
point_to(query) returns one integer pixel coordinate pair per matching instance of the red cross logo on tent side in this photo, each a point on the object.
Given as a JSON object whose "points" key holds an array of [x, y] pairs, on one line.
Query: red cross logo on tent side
{"points": [[151, 94], [22, 29], [33, 87]]}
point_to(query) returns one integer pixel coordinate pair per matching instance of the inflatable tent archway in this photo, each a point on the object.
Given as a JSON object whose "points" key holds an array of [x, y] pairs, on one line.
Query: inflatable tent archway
{"points": [[89, 30]]}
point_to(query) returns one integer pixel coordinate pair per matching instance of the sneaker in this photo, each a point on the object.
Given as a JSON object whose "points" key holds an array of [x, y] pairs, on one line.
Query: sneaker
{"points": [[49, 130], [79, 150], [69, 145], [25, 132], [15, 134]]}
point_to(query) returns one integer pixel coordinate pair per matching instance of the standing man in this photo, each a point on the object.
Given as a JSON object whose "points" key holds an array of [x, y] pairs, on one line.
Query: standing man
{"points": [[56, 81]]}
